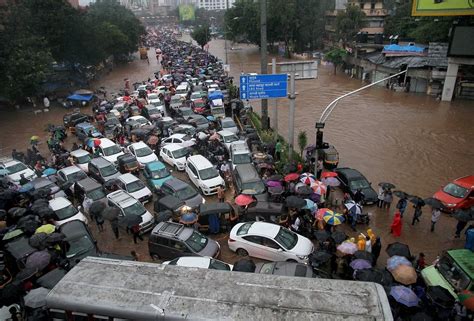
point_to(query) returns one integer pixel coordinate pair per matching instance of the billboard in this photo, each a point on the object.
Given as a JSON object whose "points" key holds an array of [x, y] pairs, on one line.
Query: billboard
{"points": [[186, 12], [461, 43], [443, 8]]}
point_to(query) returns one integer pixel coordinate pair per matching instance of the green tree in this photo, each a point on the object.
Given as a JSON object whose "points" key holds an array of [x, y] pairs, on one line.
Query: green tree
{"points": [[242, 22], [336, 57], [201, 35], [349, 22], [302, 141]]}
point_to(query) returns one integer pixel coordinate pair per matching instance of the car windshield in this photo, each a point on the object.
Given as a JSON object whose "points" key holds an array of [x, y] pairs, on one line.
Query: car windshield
{"points": [[153, 111], [186, 193], [455, 190], [180, 153], [453, 273], [141, 120], [197, 242], [111, 150], [135, 186], [65, 212], [160, 173], [108, 170], [144, 151], [257, 187], [135, 209], [18, 167], [76, 176], [243, 230], [79, 246], [227, 124], [286, 238], [218, 265], [230, 138], [152, 96], [96, 194], [208, 173], [359, 183], [242, 159], [83, 159]]}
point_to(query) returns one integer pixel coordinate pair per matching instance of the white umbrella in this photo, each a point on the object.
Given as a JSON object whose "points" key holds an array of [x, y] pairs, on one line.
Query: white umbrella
{"points": [[331, 181], [353, 207], [36, 298]]}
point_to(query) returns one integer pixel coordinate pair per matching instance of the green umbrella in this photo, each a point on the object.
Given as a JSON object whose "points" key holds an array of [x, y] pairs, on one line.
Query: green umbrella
{"points": [[12, 234]]}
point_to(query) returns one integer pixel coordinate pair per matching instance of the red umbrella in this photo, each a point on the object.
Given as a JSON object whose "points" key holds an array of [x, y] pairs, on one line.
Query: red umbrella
{"points": [[292, 177], [244, 200], [328, 174]]}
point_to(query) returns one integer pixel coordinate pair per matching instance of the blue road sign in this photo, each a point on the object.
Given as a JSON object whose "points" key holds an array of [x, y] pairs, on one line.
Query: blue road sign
{"points": [[263, 86]]}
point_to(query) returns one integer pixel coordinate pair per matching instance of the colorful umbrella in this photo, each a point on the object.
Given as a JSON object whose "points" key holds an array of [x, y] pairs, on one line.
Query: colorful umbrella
{"points": [[273, 183], [34, 138], [93, 142], [244, 200], [307, 178], [404, 295], [12, 234], [36, 298], [310, 205], [333, 218], [319, 188], [467, 299], [347, 248], [291, 177], [328, 174], [331, 181], [360, 264], [322, 212], [404, 274], [395, 261], [353, 207], [49, 171]]}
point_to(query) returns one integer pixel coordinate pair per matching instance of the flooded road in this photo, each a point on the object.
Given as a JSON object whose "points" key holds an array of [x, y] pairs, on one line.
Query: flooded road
{"points": [[411, 140]]}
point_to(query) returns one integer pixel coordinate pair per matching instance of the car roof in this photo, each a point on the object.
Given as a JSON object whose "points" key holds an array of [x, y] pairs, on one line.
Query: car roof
{"points": [[225, 133], [40, 182], [175, 183], [58, 203], [78, 152], [88, 184], [227, 119], [84, 125], [155, 165], [100, 162], [466, 181], [264, 229], [247, 172], [172, 147], [139, 145], [194, 261], [105, 142], [349, 172], [178, 135], [128, 178], [135, 118], [70, 169], [74, 229], [121, 198], [200, 161]]}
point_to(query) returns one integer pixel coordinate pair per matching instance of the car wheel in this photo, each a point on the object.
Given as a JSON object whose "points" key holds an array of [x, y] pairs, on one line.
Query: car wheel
{"points": [[292, 261], [155, 257], [242, 252]]}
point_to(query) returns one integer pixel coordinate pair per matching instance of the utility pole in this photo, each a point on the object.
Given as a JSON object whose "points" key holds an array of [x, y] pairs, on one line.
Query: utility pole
{"points": [[263, 56], [275, 104], [225, 32], [291, 118]]}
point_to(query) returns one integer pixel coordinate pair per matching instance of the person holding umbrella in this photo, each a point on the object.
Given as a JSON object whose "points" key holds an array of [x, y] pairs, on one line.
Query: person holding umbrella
{"points": [[417, 214], [435, 215], [402, 205]]}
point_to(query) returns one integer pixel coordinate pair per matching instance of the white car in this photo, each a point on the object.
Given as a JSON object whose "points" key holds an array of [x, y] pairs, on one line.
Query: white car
{"points": [[175, 155], [139, 119], [195, 96], [81, 159], [153, 99], [227, 138], [228, 124], [182, 139], [203, 174], [65, 211], [14, 169], [135, 187], [200, 263], [143, 153], [109, 150], [70, 174], [160, 90], [270, 242]]}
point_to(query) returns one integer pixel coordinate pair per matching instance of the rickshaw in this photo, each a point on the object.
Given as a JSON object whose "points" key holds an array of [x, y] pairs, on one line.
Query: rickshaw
{"points": [[217, 217], [127, 163], [330, 157], [263, 211]]}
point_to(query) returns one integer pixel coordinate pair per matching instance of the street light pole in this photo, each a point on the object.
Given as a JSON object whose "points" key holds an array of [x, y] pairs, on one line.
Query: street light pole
{"points": [[263, 56], [225, 32]]}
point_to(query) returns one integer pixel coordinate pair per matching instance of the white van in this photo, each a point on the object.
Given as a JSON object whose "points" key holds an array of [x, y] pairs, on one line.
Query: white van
{"points": [[109, 150], [203, 174]]}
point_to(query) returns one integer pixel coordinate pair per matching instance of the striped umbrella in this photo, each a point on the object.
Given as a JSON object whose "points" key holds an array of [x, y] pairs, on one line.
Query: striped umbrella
{"points": [[93, 142], [319, 188], [307, 178], [321, 212], [467, 299], [332, 218]]}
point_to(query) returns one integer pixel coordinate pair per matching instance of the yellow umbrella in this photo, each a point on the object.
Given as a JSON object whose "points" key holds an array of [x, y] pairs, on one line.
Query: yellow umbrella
{"points": [[34, 137], [405, 274], [46, 228]]}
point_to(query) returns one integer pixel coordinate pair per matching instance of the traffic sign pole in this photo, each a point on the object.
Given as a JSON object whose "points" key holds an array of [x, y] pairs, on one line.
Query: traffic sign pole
{"points": [[291, 118]]}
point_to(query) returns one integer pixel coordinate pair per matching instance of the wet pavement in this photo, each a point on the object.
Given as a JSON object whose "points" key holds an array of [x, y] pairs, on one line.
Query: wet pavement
{"points": [[411, 140]]}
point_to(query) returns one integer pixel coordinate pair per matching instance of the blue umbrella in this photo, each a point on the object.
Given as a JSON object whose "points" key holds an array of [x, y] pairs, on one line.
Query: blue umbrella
{"points": [[49, 171], [360, 264], [397, 260], [188, 218], [4, 172], [404, 295], [26, 188], [211, 118], [310, 205]]}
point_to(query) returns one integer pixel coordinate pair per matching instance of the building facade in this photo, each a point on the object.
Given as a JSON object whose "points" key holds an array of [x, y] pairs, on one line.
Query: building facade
{"points": [[214, 4]]}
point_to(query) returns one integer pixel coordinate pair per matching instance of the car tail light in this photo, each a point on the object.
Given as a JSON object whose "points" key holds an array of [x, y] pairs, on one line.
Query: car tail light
{"points": [[231, 240]]}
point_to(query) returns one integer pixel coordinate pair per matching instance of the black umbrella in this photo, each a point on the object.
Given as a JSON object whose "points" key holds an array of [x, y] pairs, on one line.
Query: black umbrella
{"points": [[11, 294], [400, 249], [50, 279], [374, 275], [363, 255], [38, 241], [55, 237], [319, 257], [441, 296], [131, 220], [163, 216], [110, 184], [41, 193], [433, 202], [339, 237], [96, 208], [25, 274], [244, 265], [295, 202], [16, 212], [110, 213], [401, 194], [420, 316], [29, 227], [45, 212], [464, 215], [276, 177], [386, 185], [417, 201], [322, 235], [304, 190]]}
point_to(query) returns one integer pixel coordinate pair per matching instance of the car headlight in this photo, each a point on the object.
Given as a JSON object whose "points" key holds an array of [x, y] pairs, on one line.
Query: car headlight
{"points": [[450, 205]]}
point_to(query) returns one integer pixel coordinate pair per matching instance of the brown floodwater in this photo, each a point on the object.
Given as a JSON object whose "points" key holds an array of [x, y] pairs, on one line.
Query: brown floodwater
{"points": [[407, 139]]}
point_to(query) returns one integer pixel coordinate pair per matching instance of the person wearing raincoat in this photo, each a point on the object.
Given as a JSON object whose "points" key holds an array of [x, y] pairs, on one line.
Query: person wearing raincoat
{"points": [[396, 227], [372, 236], [361, 242]]}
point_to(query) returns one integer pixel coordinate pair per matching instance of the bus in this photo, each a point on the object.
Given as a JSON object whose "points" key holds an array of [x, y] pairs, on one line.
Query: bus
{"points": [[107, 289]]}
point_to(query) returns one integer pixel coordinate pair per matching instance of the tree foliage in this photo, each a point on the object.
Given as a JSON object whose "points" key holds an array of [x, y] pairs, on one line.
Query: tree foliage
{"points": [[336, 57], [201, 35], [302, 141], [349, 22]]}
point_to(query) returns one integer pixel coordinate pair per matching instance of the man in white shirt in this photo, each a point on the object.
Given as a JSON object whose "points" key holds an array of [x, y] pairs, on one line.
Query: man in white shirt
{"points": [[435, 215]]}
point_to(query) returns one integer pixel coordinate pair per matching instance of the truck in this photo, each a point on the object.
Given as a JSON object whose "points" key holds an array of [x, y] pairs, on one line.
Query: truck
{"points": [[143, 53]]}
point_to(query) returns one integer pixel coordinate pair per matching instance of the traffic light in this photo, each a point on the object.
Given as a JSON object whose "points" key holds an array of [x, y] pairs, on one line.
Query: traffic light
{"points": [[319, 139]]}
